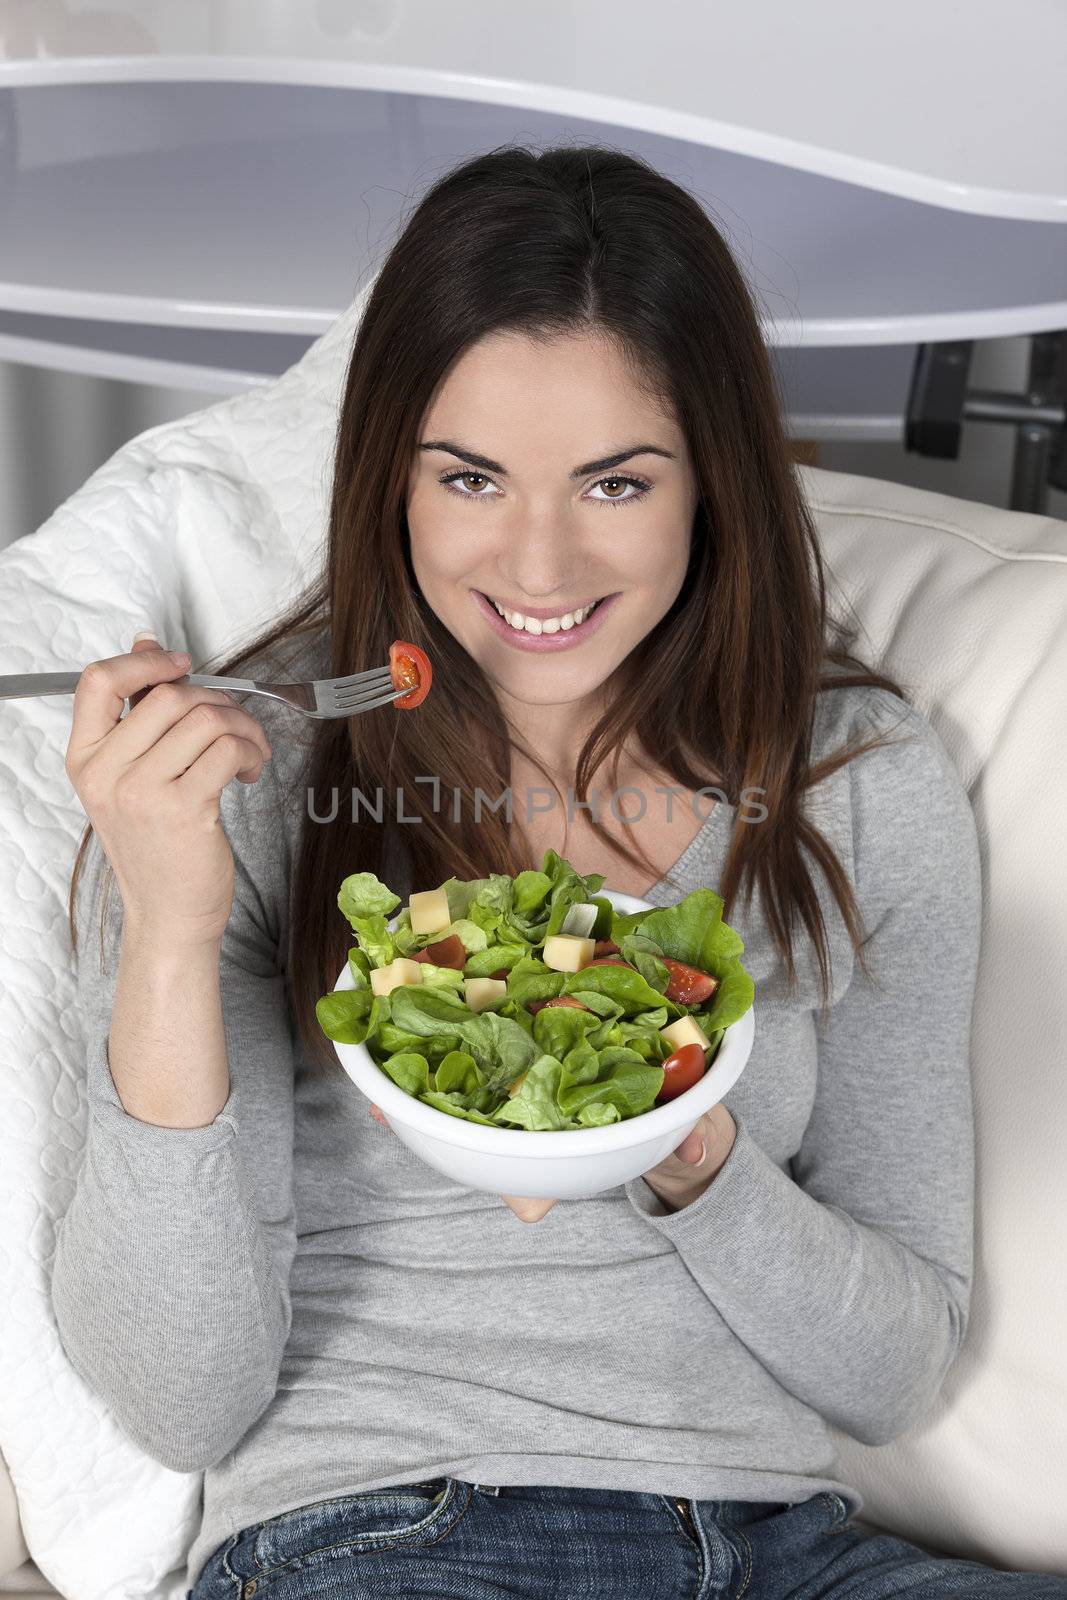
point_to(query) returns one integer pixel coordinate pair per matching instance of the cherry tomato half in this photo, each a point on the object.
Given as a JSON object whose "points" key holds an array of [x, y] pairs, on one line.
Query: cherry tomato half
{"points": [[688, 985], [681, 1070], [534, 1006], [609, 961], [409, 668], [606, 947]]}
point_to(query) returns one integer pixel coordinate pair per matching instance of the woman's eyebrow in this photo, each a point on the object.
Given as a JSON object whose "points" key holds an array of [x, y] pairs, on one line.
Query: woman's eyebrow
{"points": [[484, 464]]}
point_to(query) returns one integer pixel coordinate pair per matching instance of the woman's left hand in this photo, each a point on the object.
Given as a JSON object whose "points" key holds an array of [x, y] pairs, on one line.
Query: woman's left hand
{"points": [[677, 1180], [682, 1177]]}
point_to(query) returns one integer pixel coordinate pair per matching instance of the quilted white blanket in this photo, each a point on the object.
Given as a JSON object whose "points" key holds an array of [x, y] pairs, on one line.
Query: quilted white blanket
{"points": [[201, 529]]}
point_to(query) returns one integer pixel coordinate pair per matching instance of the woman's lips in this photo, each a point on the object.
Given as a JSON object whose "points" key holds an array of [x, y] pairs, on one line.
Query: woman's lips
{"points": [[563, 640]]}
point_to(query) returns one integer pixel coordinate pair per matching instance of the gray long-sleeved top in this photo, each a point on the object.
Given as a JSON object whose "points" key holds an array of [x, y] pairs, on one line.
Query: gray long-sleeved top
{"points": [[292, 1302]]}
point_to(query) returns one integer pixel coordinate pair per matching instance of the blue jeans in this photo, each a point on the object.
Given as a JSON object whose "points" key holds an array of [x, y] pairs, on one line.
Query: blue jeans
{"points": [[447, 1539]]}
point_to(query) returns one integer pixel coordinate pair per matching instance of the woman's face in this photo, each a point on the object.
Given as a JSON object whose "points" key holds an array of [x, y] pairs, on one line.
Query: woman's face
{"points": [[534, 520]]}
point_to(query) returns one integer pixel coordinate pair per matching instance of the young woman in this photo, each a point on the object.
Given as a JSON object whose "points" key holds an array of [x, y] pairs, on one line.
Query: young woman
{"points": [[558, 399]]}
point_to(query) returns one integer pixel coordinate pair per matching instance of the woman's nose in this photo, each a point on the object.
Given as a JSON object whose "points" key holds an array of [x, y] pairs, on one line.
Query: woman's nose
{"points": [[539, 564]]}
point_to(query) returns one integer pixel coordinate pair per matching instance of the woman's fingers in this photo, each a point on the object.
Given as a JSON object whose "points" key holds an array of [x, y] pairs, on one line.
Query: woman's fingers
{"points": [[143, 641], [526, 1209], [105, 686]]}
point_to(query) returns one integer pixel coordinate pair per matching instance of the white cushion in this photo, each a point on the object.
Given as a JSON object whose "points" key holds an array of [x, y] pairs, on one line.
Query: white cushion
{"points": [[966, 606], [26, 1583], [203, 528]]}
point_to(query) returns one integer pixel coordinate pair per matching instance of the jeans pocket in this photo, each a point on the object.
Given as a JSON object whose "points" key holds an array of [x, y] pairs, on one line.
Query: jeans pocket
{"points": [[400, 1516]]}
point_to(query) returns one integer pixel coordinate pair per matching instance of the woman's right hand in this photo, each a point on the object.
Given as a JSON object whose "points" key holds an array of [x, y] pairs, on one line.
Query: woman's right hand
{"points": [[150, 784]]}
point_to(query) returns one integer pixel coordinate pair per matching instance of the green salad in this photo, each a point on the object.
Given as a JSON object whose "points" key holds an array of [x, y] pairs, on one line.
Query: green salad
{"points": [[530, 1002]]}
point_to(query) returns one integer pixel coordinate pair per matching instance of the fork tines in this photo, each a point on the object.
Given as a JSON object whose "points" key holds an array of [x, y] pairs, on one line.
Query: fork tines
{"points": [[364, 690]]}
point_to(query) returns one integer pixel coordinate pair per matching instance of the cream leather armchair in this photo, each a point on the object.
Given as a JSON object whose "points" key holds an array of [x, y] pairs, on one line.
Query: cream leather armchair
{"points": [[963, 603]]}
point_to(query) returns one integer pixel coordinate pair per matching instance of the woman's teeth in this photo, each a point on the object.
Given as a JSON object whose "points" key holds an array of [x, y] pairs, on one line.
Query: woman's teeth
{"points": [[521, 624]]}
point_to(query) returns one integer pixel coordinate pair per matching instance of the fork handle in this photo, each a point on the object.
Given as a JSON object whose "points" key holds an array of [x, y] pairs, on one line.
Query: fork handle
{"points": [[14, 685], [18, 685], [204, 680]]}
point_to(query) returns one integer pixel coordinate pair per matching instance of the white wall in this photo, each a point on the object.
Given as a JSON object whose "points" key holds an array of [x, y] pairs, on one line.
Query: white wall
{"points": [[57, 428]]}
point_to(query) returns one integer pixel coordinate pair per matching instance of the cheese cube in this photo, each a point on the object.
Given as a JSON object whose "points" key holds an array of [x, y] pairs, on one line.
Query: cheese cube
{"points": [[685, 1031], [481, 992], [565, 953], [383, 980], [429, 911]]}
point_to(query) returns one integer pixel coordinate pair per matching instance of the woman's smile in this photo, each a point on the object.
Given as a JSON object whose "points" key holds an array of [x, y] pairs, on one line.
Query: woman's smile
{"points": [[554, 631], [529, 564]]}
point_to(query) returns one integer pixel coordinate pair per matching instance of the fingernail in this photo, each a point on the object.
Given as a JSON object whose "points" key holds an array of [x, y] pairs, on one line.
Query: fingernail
{"points": [[145, 633], [181, 658], [703, 1153]]}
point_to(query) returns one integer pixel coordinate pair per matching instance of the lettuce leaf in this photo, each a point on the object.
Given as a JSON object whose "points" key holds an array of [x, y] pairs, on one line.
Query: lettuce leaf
{"points": [[560, 1067]]}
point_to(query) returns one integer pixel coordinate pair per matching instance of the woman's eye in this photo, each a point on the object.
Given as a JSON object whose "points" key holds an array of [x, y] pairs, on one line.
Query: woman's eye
{"points": [[470, 494], [638, 485]]}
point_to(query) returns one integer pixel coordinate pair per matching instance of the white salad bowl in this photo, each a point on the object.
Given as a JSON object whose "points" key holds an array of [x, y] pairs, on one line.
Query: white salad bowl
{"points": [[568, 1165]]}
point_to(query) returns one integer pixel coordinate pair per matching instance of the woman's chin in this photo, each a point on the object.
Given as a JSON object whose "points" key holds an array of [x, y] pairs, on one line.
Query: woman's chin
{"points": [[546, 682]]}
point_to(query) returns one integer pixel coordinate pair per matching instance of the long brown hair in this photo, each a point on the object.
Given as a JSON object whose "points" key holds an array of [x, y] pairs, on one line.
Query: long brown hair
{"points": [[570, 240]]}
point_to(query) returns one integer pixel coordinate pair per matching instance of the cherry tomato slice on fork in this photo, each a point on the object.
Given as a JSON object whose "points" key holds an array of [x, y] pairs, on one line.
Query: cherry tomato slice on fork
{"points": [[409, 668]]}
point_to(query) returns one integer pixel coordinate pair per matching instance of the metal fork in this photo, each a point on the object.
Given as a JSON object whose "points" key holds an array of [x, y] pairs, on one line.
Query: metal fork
{"points": [[316, 697]]}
